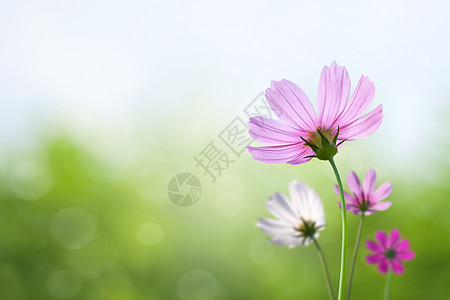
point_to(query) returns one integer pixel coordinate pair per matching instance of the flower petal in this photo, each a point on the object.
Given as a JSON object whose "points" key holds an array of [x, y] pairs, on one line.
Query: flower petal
{"points": [[307, 203], [351, 203], [369, 182], [307, 241], [290, 241], [362, 127], [291, 105], [381, 238], [334, 90], [347, 196], [316, 212], [381, 205], [374, 258], [402, 246], [354, 184], [394, 237], [359, 101], [280, 207], [351, 207], [397, 266], [355, 210], [277, 154], [273, 132], [372, 246], [275, 227], [299, 195], [407, 255], [383, 267], [382, 192], [302, 158]]}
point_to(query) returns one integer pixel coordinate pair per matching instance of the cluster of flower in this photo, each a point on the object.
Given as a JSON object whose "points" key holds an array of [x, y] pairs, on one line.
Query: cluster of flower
{"points": [[301, 135]]}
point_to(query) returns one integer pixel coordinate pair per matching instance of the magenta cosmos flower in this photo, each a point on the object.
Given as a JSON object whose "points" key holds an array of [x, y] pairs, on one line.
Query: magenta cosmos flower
{"points": [[389, 252], [365, 198], [300, 133]]}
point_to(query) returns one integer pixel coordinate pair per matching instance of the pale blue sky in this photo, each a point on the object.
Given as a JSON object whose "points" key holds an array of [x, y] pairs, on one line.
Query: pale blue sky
{"points": [[102, 66]]}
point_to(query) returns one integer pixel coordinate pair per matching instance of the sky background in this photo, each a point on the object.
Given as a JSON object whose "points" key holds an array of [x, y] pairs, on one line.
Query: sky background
{"points": [[99, 66]]}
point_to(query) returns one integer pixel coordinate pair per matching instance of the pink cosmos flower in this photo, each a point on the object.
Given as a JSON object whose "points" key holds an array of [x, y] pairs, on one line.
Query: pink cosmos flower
{"points": [[365, 199], [389, 252], [299, 123]]}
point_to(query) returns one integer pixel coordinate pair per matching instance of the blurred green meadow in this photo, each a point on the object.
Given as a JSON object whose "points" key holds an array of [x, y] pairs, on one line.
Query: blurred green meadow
{"points": [[76, 225]]}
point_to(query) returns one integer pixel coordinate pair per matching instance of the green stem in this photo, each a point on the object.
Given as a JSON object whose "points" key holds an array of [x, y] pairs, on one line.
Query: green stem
{"points": [[325, 269], [344, 232], [388, 284], [358, 238]]}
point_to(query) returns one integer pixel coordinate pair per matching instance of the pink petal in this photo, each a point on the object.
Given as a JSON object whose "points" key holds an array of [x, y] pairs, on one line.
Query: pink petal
{"points": [[382, 192], [381, 238], [383, 267], [362, 127], [397, 266], [349, 198], [372, 246], [291, 105], [369, 182], [334, 90], [359, 101], [381, 205], [394, 237], [277, 154], [350, 207], [354, 184], [407, 255], [374, 258], [402, 246], [273, 132], [301, 157], [355, 210]]}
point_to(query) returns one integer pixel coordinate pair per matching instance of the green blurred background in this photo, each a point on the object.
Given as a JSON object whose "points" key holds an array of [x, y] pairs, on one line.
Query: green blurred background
{"points": [[74, 226], [102, 103]]}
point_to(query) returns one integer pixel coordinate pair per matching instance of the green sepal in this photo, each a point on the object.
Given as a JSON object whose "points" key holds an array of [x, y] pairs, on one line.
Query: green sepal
{"points": [[335, 137], [312, 146], [328, 149]]}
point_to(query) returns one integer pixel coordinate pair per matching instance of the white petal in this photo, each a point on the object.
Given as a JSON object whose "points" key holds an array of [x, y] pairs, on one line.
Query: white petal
{"points": [[300, 198], [275, 227], [307, 242], [290, 241], [297, 242], [317, 212], [281, 208], [306, 202]]}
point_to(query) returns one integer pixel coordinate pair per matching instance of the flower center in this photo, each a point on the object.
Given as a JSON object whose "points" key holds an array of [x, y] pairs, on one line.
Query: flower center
{"points": [[307, 228], [363, 203], [322, 143], [390, 253], [316, 139]]}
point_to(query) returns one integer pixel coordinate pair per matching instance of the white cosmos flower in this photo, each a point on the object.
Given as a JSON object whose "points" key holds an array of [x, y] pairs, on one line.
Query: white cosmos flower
{"points": [[299, 219]]}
